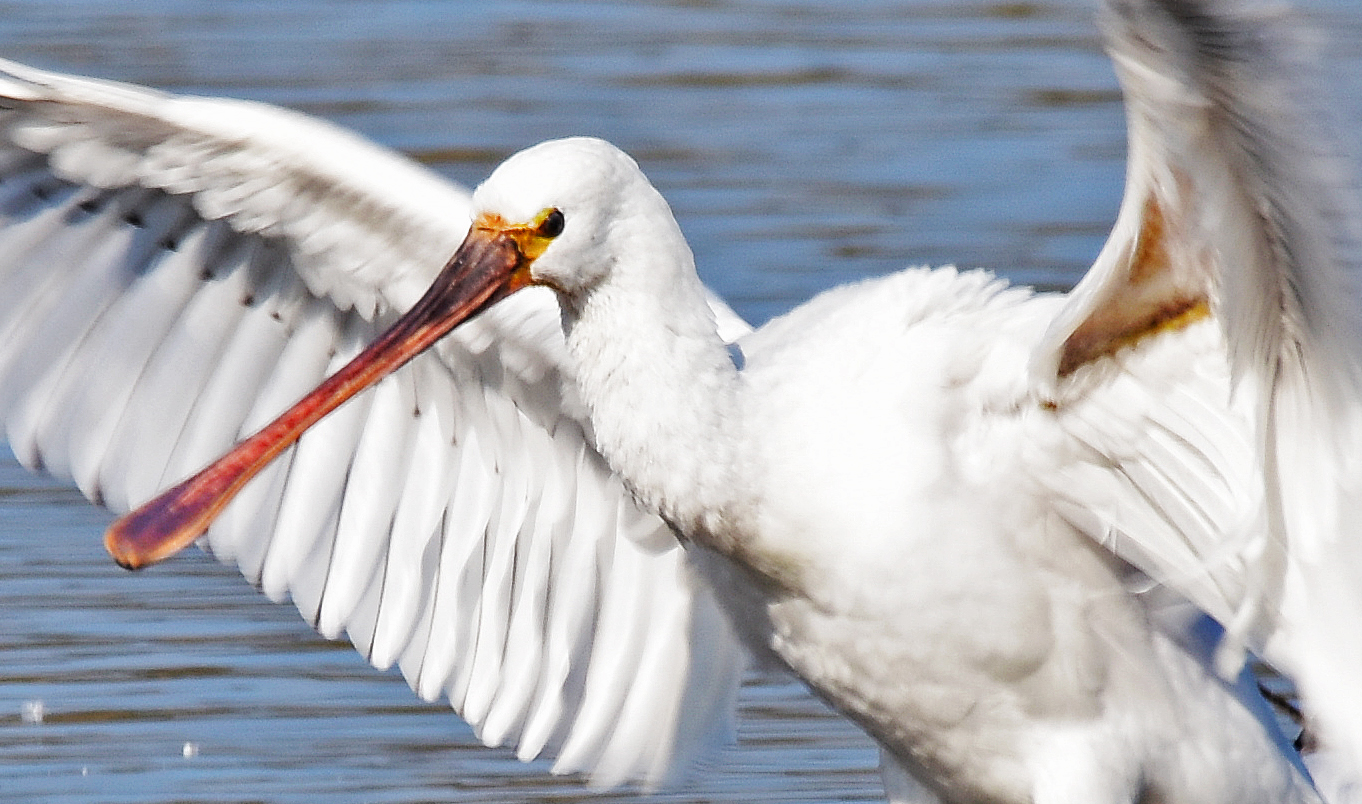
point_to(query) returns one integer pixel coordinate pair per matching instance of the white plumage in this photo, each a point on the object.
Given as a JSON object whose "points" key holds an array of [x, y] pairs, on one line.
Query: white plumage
{"points": [[146, 361], [979, 522]]}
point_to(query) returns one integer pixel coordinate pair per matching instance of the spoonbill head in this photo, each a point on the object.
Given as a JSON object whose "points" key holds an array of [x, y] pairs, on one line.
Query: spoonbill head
{"points": [[587, 199]]}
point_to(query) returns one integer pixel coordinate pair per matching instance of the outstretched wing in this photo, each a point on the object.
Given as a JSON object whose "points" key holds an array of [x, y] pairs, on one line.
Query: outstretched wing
{"points": [[1222, 450], [175, 271]]}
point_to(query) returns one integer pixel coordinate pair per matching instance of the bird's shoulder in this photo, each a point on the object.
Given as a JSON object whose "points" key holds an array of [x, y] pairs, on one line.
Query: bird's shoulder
{"points": [[911, 319]]}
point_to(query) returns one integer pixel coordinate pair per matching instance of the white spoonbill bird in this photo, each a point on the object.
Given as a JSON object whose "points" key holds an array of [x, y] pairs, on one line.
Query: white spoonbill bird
{"points": [[986, 525]]}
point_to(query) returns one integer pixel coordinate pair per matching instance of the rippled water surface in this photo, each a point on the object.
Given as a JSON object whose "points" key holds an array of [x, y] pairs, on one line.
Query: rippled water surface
{"points": [[802, 143]]}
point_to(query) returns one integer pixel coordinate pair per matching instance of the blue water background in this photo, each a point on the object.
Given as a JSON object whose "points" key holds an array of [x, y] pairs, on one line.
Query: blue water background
{"points": [[802, 144]]}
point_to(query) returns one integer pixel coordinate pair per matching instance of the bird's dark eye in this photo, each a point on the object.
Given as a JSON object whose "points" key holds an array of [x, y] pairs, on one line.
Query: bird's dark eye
{"points": [[551, 225]]}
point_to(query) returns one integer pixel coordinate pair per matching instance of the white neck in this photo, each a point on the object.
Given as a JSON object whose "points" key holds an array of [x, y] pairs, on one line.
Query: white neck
{"points": [[658, 381]]}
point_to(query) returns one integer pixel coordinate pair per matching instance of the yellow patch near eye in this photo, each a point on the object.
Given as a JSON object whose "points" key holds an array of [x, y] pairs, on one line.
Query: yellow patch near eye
{"points": [[550, 223], [530, 238]]}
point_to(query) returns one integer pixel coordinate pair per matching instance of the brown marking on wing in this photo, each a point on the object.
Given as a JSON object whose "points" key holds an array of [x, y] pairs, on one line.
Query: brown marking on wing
{"points": [[1149, 301]]}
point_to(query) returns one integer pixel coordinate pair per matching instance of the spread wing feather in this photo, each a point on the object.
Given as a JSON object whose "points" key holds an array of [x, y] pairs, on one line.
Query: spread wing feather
{"points": [[176, 271], [1235, 254]]}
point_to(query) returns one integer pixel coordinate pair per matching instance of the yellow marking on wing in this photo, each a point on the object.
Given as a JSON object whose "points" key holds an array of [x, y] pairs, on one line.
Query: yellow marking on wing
{"points": [[1148, 302]]}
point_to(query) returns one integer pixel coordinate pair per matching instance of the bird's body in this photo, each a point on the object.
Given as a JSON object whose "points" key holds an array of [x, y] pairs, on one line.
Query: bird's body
{"points": [[1041, 666], [989, 526], [859, 564], [941, 600]]}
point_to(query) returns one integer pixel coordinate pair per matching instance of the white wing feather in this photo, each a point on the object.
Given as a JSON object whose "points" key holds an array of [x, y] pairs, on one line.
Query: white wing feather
{"points": [[1240, 202], [176, 271]]}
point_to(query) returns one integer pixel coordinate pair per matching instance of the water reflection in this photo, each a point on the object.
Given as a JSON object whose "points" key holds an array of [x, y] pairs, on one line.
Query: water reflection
{"points": [[802, 144]]}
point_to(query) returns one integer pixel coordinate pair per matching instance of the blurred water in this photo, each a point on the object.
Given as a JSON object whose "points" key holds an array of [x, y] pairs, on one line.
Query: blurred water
{"points": [[802, 143]]}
